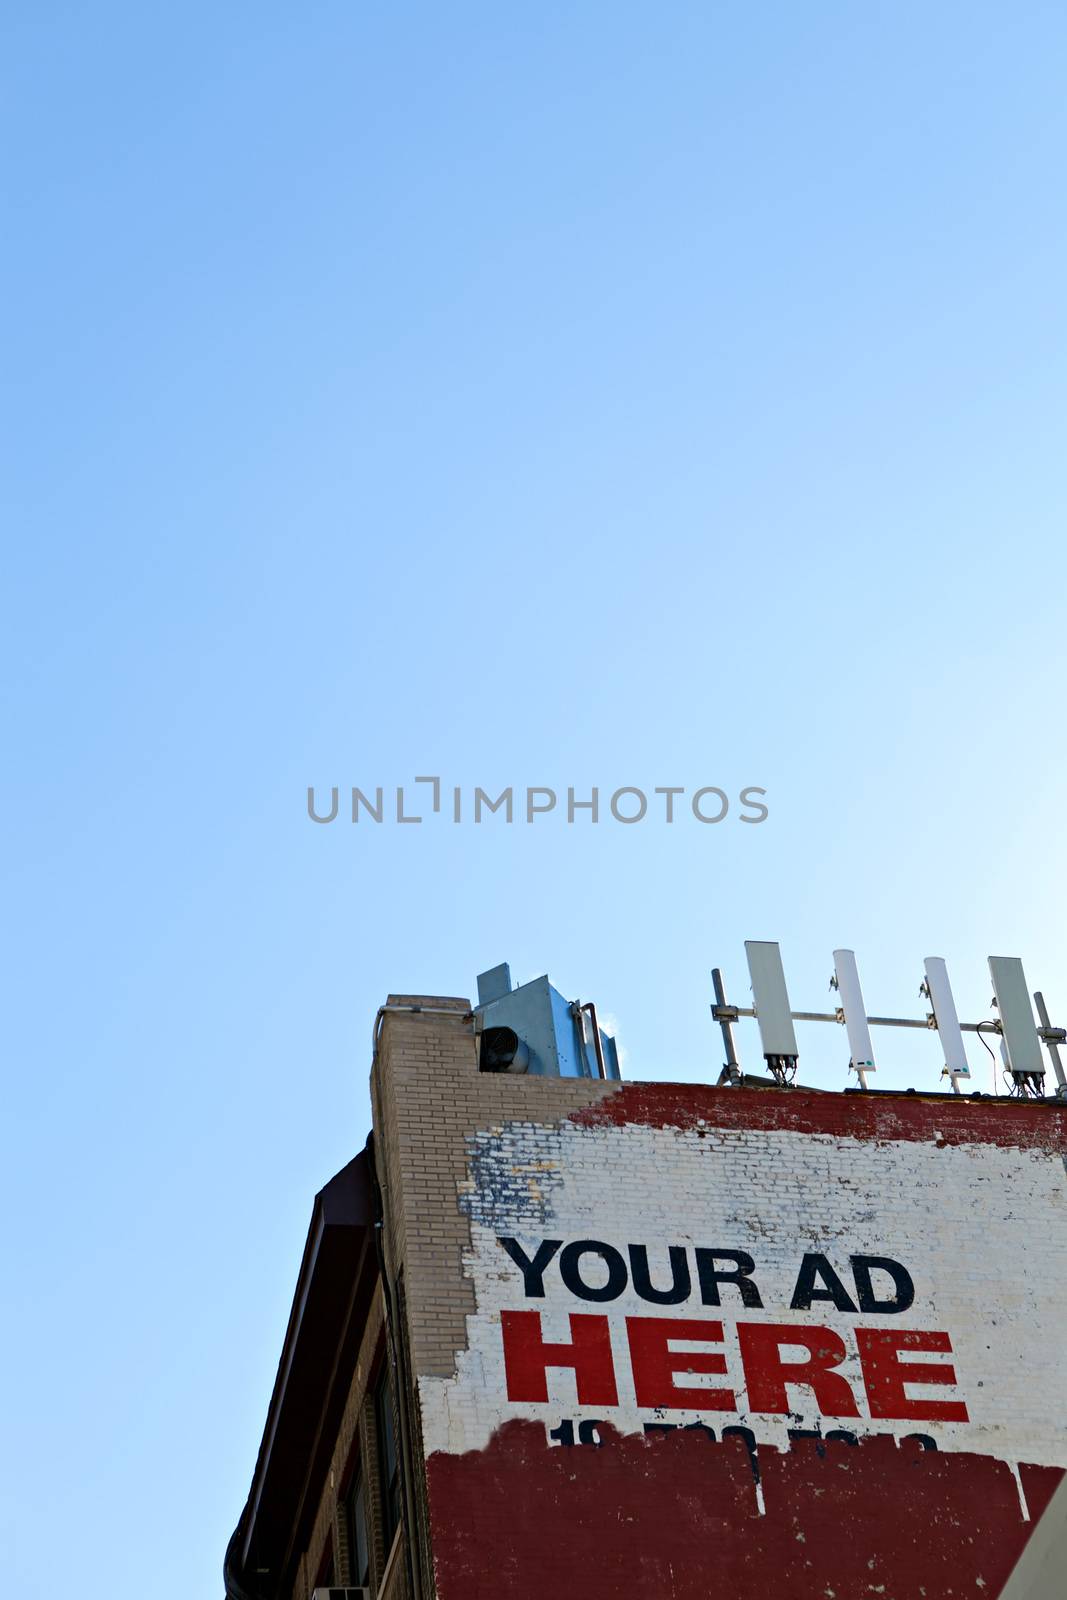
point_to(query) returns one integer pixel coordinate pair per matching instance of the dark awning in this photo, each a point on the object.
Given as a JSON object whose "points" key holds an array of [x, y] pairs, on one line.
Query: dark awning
{"points": [[338, 1274]]}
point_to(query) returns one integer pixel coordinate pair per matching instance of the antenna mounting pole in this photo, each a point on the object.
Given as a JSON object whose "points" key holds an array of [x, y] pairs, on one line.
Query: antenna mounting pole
{"points": [[725, 1016]]}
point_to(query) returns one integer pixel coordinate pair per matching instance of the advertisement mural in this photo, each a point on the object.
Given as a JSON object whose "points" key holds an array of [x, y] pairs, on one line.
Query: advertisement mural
{"points": [[773, 1336]]}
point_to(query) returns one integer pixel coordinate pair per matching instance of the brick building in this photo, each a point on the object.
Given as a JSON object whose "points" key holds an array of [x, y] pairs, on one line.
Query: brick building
{"points": [[555, 1334]]}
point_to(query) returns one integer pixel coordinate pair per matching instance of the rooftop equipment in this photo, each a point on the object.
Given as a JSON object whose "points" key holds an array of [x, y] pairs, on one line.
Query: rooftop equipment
{"points": [[937, 989], [1018, 1029], [846, 980], [535, 1029], [772, 1011], [1020, 1037]]}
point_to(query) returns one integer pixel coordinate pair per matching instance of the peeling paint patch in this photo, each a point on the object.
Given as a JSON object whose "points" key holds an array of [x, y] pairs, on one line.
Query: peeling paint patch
{"points": [[1016, 1124]]}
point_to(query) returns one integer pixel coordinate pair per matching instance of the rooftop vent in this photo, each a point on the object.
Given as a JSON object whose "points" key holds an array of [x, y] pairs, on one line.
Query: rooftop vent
{"points": [[534, 1029]]}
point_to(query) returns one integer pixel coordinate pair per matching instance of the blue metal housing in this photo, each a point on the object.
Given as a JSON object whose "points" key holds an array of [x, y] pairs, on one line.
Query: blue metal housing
{"points": [[557, 1035]]}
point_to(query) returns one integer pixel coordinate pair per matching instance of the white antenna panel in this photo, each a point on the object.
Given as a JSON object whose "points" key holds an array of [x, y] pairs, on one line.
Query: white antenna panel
{"points": [[1018, 1028], [860, 1047], [771, 998], [946, 1017]]}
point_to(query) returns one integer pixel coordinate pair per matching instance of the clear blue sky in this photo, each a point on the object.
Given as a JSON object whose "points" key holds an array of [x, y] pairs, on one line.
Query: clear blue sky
{"points": [[554, 394]]}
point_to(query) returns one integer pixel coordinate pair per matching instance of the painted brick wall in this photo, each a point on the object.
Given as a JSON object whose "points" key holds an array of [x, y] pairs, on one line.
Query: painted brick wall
{"points": [[670, 1340]]}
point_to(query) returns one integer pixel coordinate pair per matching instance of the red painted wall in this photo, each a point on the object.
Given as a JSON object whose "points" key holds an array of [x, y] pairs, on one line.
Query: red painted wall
{"points": [[675, 1517]]}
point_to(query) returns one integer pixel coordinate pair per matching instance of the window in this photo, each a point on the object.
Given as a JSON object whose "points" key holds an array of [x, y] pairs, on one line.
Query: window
{"points": [[388, 1460], [358, 1543]]}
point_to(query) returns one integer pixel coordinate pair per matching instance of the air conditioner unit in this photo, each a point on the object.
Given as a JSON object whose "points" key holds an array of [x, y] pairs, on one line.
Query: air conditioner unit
{"points": [[340, 1594]]}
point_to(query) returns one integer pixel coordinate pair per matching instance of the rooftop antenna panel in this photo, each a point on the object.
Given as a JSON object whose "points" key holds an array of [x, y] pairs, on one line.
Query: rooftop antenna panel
{"points": [[847, 978], [946, 1017], [771, 999], [1018, 1028]]}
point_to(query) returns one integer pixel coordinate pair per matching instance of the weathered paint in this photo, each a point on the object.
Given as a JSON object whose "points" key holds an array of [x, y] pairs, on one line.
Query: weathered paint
{"points": [[917, 1250], [675, 1517]]}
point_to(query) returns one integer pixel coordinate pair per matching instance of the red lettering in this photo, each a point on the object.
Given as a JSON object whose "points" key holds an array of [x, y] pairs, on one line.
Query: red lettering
{"points": [[527, 1358], [884, 1376], [767, 1376], [654, 1365]]}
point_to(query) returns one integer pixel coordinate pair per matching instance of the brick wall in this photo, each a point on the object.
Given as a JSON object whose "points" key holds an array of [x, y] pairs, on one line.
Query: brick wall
{"points": [[906, 1254], [429, 1098], [356, 1447]]}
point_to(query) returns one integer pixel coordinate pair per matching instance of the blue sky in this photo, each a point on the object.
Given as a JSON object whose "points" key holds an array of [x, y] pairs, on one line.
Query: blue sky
{"points": [[563, 395]]}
